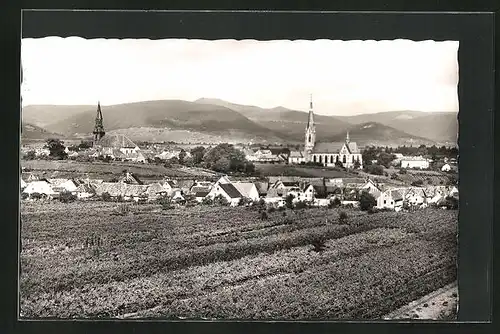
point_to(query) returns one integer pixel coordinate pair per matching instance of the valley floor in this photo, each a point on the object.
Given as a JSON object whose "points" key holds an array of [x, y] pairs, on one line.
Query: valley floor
{"points": [[209, 262]]}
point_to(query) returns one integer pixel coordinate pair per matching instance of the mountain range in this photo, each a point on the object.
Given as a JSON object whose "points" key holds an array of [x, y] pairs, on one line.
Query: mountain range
{"points": [[214, 120]]}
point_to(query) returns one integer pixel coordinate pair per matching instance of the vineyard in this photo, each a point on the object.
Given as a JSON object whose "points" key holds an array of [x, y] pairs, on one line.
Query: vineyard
{"points": [[91, 260]]}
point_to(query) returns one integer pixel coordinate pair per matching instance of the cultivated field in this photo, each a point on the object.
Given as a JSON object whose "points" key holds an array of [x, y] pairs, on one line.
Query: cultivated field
{"points": [[296, 170], [89, 259], [70, 168]]}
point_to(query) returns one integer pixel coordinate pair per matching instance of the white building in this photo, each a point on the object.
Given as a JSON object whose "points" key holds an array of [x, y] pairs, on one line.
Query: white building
{"points": [[42, 187], [415, 162], [446, 168], [296, 157]]}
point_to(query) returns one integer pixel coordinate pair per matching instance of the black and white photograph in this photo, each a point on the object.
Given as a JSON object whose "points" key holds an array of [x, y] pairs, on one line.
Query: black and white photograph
{"points": [[277, 180]]}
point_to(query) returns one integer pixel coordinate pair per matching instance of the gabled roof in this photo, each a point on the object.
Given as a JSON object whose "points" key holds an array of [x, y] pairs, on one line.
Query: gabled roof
{"points": [[352, 147], [396, 195], [295, 154], [116, 141], [262, 187], [198, 189], [85, 188], [230, 190], [170, 183], [244, 187], [290, 183], [130, 178], [333, 147], [416, 191]]}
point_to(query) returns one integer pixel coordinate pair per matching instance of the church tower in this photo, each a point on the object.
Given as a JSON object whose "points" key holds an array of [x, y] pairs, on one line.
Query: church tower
{"points": [[347, 140], [99, 127], [310, 133]]}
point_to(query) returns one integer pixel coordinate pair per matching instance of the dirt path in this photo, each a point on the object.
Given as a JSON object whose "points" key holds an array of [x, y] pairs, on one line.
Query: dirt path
{"points": [[438, 305]]}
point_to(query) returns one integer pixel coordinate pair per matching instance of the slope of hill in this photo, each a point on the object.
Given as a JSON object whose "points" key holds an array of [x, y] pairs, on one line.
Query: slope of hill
{"points": [[440, 127], [283, 120], [43, 115], [30, 131], [170, 114], [373, 133], [437, 126]]}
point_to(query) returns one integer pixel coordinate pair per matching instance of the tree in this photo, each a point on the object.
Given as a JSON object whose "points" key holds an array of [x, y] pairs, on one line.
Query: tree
{"points": [[374, 169], [289, 201], [30, 155], [67, 197], [357, 164], [417, 183], [385, 159], [366, 201], [369, 154], [182, 156], [339, 164], [56, 148], [84, 145], [226, 158]]}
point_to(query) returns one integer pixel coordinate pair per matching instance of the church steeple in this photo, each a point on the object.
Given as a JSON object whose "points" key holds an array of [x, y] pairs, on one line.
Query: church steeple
{"points": [[347, 140], [310, 133], [99, 127]]}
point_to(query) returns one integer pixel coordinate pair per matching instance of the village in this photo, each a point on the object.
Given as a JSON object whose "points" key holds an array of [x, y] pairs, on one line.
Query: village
{"points": [[364, 172]]}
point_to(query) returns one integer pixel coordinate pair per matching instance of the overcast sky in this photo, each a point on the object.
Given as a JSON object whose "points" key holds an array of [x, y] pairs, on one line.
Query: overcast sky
{"points": [[345, 77]]}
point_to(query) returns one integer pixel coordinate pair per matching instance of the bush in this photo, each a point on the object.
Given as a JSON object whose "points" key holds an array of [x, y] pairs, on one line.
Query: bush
{"points": [[289, 201], [221, 200], [36, 196], [374, 169], [24, 195], [67, 197], [301, 205], [417, 183], [271, 209], [207, 201], [166, 203], [318, 245], [263, 215], [343, 217], [451, 203], [106, 197], [403, 171], [335, 203], [366, 201]]}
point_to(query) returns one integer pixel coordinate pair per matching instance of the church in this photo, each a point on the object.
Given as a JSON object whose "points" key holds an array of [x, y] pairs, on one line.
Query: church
{"points": [[328, 153]]}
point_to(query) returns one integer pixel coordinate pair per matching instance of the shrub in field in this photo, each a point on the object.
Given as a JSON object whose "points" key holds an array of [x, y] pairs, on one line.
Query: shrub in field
{"points": [[67, 197], [271, 209], [318, 245], [221, 200], [417, 183], [451, 203], [24, 195], [263, 215], [366, 201], [301, 205], [289, 201], [36, 196], [207, 201], [244, 201], [335, 203], [403, 171], [166, 203], [343, 216], [106, 197]]}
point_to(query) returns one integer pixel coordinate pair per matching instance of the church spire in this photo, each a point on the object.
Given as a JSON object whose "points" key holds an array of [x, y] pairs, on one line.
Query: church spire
{"points": [[99, 126], [310, 121], [347, 140]]}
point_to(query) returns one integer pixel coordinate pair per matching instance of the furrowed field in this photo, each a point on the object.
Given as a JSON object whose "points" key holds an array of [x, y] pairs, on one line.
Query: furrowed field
{"points": [[89, 259]]}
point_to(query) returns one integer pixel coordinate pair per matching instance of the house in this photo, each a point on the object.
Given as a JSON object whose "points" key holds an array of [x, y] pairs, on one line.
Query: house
{"points": [[130, 178], [416, 197], [262, 187], [177, 196], [311, 190], [446, 168], [22, 184], [200, 192], [453, 192], [155, 191], [372, 188], [85, 190], [114, 189], [135, 192], [227, 191], [391, 199], [42, 187], [435, 194], [169, 185], [415, 162], [109, 143], [61, 185], [248, 190]]}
